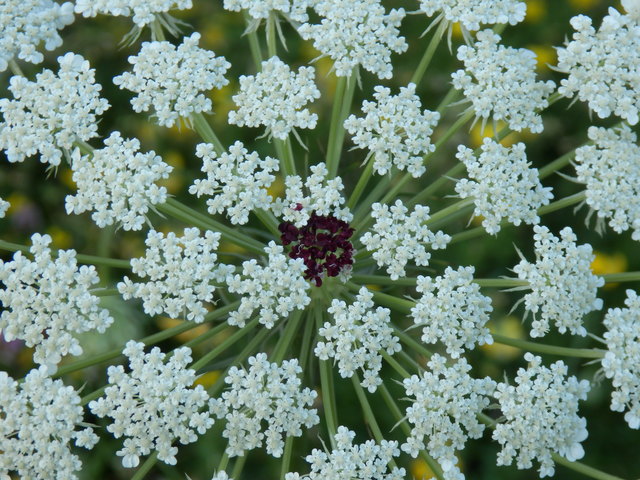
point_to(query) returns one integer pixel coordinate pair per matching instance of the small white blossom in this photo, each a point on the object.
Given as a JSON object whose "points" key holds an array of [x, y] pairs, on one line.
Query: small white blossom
{"points": [[266, 393], [46, 301], [395, 130], [222, 475], [473, 13], [541, 416], [502, 185], [153, 405], [4, 206], [142, 11], [355, 33], [47, 116], [117, 183], [295, 10], [632, 7], [563, 287], [399, 237]]}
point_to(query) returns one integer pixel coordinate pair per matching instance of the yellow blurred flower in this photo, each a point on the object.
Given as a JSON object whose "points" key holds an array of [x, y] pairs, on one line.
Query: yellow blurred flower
{"points": [[509, 327], [65, 175], [207, 379], [536, 11], [605, 263], [545, 54], [59, 237], [165, 323], [175, 182], [420, 469], [276, 190], [17, 201], [477, 134], [583, 4]]}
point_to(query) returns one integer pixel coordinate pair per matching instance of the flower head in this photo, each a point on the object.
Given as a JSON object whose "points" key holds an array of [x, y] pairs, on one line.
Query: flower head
{"points": [[473, 13], [295, 10], [143, 12]]}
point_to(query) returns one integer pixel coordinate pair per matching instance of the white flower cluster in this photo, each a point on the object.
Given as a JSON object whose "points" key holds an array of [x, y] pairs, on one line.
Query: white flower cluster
{"points": [[275, 290], [399, 237], [180, 271], [172, 80], [47, 116], [622, 361], [46, 301], [563, 287], [222, 475], [153, 405], [395, 130], [541, 416], [39, 417], [142, 11], [275, 97], [502, 185], [456, 314], [265, 393], [356, 336], [365, 461], [500, 82], [603, 65], [117, 183], [25, 24], [295, 10], [355, 33], [4, 206], [611, 173], [472, 13], [237, 181], [444, 411]]}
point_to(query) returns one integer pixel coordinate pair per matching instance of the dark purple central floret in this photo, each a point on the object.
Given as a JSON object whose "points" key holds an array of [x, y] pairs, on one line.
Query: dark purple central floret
{"points": [[323, 244]]}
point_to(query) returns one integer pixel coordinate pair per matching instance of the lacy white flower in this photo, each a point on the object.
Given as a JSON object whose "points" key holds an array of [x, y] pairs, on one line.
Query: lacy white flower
{"points": [[173, 80], [541, 416], [603, 65], [275, 290], [4, 206], [237, 181], [500, 82], [356, 336], [395, 130], [399, 237], [446, 401], [153, 405], [611, 173], [621, 363], [142, 11], [472, 13], [364, 461], [355, 33], [39, 417], [117, 183], [25, 24], [502, 185], [266, 393], [46, 301], [47, 116], [295, 10], [456, 314], [563, 287]]}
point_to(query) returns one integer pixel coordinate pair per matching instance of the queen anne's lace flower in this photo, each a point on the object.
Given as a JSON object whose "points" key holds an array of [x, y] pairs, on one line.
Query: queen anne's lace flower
{"points": [[4, 206], [172, 79], [153, 405], [563, 287], [47, 116], [399, 237], [395, 130], [117, 183], [295, 10], [502, 185], [39, 417], [446, 401], [266, 393], [472, 13], [541, 416], [46, 301], [355, 33], [142, 11], [356, 336]]}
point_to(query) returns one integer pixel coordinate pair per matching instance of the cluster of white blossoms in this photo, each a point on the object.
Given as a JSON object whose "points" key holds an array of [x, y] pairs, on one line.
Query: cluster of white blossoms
{"points": [[611, 173], [47, 301], [364, 461], [237, 180], [541, 416], [153, 405], [502, 185], [399, 237], [295, 10], [143, 12], [47, 116], [394, 130], [172, 80], [39, 419], [452, 310], [4, 206], [603, 65], [563, 287], [621, 363], [473, 13], [446, 402], [267, 393], [117, 183], [354, 33], [356, 336], [500, 82], [25, 24]]}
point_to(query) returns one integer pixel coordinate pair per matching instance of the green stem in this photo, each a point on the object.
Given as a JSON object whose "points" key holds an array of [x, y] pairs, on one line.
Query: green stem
{"points": [[146, 466], [278, 354], [309, 330], [448, 212], [341, 107], [436, 185], [428, 53], [483, 282], [15, 68], [205, 131], [557, 164], [84, 147], [584, 469], [328, 392], [254, 44], [451, 96], [238, 466], [285, 155], [156, 30], [550, 349], [93, 395], [621, 277], [224, 461], [399, 304], [382, 280], [104, 292], [361, 185], [411, 342], [271, 36], [395, 365], [286, 457]]}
